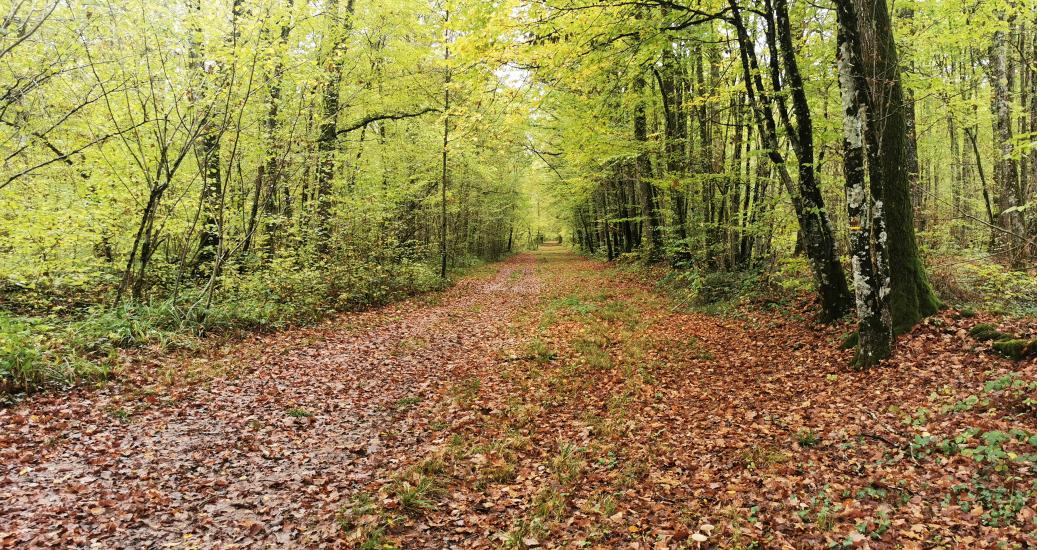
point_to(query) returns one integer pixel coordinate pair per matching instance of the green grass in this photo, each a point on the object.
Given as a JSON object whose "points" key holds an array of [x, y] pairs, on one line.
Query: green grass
{"points": [[408, 402], [466, 390], [807, 438], [35, 353], [419, 496], [297, 412]]}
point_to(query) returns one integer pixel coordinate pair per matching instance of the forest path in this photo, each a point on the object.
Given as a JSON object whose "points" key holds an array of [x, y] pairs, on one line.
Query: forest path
{"points": [[559, 402], [624, 420], [261, 458]]}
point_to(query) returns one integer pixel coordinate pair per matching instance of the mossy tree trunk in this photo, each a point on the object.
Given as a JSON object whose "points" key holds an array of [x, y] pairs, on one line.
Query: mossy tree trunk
{"points": [[911, 293], [868, 235]]}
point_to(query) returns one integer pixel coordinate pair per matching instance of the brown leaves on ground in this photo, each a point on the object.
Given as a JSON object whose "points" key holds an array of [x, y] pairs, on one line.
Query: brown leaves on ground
{"points": [[561, 403], [264, 458]]}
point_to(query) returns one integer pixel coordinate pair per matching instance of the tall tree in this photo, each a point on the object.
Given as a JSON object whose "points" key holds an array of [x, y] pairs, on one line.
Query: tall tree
{"points": [[643, 175], [815, 227], [911, 294], [446, 147], [1008, 233], [339, 27], [868, 236]]}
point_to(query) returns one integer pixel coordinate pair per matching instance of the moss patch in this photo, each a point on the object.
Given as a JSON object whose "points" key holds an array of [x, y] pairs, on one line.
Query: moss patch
{"points": [[1016, 348], [985, 332]]}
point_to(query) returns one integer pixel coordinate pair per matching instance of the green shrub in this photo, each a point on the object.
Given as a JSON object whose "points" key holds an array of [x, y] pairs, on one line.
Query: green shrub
{"points": [[77, 342], [33, 354], [22, 360], [281, 294], [359, 284], [807, 437], [682, 281], [985, 284], [627, 258], [721, 286], [793, 274], [102, 331]]}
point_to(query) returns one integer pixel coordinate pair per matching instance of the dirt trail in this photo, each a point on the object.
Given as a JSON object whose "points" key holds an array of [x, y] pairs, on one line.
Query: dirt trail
{"points": [[558, 403], [628, 422], [264, 458]]}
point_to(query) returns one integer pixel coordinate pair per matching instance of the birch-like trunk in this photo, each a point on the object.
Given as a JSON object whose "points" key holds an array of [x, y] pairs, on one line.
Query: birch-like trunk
{"points": [[912, 293], [868, 235]]}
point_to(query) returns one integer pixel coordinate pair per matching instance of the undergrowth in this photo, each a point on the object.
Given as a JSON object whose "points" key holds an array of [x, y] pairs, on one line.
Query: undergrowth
{"points": [[51, 342]]}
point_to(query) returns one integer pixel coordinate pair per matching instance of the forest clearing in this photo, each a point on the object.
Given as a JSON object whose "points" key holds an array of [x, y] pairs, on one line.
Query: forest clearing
{"points": [[518, 273]]}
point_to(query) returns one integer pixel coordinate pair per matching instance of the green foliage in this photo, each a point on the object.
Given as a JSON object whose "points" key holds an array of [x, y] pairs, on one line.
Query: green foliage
{"points": [[1015, 389], [466, 389], [710, 289], [1000, 504], [541, 352], [298, 412], [819, 510], [807, 437], [987, 285], [21, 357], [722, 287], [408, 402], [34, 353], [419, 495], [574, 303], [211, 216], [793, 275], [683, 282], [362, 284], [101, 331]]}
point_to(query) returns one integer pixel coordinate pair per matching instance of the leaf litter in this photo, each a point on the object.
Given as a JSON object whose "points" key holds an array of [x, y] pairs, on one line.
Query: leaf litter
{"points": [[559, 403]]}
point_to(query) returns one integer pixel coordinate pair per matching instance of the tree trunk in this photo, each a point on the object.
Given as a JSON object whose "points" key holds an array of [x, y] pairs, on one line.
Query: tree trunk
{"points": [[327, 140], [911, 294], [1008, 238], [272, 166], [868, 235], [808, 204], [675, 140], [642, 173], [446, 143]]}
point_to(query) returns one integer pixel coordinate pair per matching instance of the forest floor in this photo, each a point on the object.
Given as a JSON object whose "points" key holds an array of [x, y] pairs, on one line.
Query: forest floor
{"points": [[553, 401]]}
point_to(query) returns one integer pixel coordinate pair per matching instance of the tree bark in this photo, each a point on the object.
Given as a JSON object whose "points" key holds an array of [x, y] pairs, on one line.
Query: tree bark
{"points": [[911, 293], [1008, 240], [868, 237], [642, 172], [446, 144], [327, 141]]}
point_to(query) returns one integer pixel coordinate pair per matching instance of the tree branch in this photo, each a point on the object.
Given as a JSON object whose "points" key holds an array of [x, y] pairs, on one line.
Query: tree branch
{"points": [[370, 119]]}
